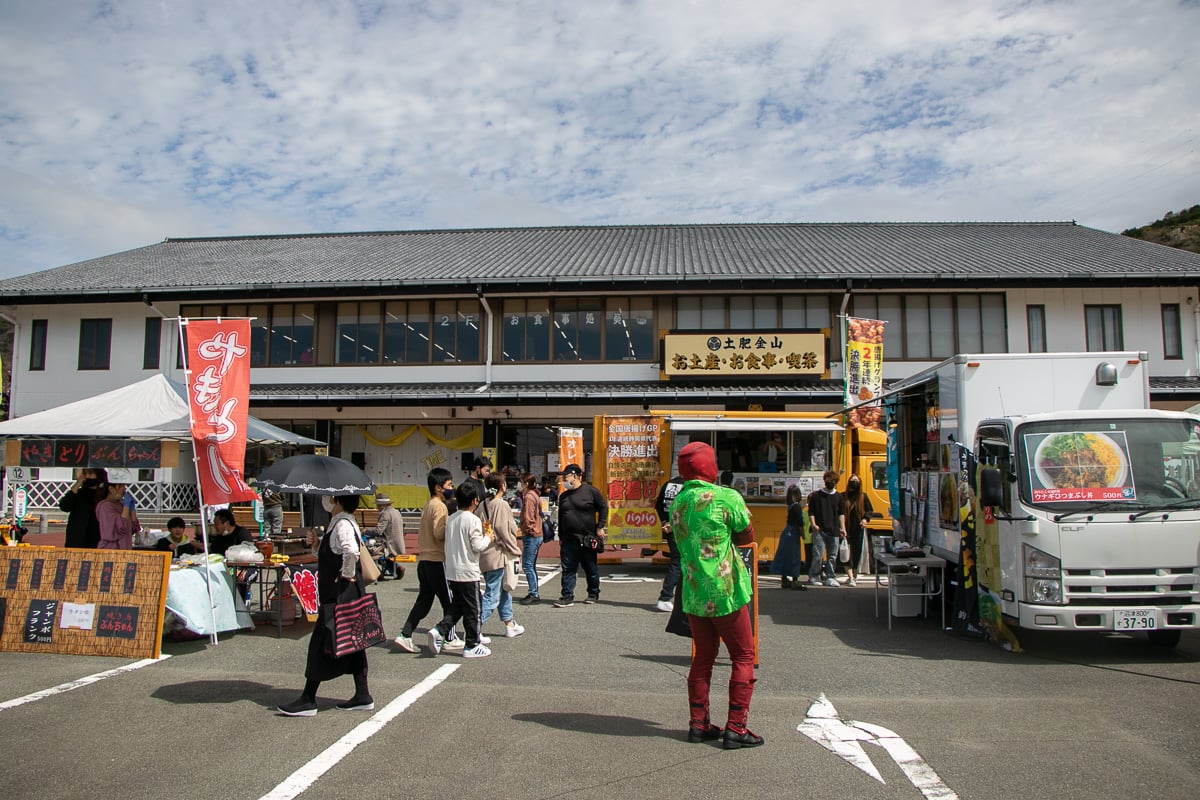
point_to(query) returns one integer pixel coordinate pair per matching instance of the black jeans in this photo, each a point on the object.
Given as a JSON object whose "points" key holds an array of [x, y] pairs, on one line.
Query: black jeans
{"points": [[431, 583], [464, 605], [572, 555]]}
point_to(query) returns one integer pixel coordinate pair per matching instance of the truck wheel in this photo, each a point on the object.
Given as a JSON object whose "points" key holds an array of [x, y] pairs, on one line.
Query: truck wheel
{"points": [[1164, 638]]}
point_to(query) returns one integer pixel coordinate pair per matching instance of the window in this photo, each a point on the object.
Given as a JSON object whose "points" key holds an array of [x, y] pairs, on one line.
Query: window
{"points": [[1103, 328], [629, 329], [936, 326], [1172, 334], [406, 333], [37, 345], [526, 329], [358, 333], [290, 333], [95, 343], [151, 343], [578, 329], [456, 332], [1035, 321]]}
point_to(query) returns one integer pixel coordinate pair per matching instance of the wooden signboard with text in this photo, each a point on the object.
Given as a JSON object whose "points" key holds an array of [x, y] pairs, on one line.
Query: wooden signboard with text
{"points": [[83, 602]]}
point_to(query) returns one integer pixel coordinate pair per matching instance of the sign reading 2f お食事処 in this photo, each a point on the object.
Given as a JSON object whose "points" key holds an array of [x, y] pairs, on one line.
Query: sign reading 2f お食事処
{"points": [[746, 354]]}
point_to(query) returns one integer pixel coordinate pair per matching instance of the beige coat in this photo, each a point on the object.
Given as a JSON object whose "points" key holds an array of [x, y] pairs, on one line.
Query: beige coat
{"points": [[505, 527]]}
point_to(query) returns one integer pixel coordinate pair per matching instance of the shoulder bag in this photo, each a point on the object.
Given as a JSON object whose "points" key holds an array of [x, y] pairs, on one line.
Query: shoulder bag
{"points": [[353, 623]]}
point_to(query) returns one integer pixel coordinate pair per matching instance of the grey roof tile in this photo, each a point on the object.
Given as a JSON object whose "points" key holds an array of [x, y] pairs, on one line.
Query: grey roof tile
{"points": [[556, 258]]}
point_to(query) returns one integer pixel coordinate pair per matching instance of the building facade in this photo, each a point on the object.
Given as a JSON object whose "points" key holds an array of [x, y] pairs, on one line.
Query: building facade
{"points": [[410, 350]]}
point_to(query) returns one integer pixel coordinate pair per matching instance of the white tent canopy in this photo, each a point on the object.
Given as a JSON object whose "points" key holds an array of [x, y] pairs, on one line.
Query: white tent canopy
{"points": [[155, 408]]}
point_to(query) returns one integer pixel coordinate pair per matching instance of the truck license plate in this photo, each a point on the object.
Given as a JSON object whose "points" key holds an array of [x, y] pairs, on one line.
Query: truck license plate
{"points": [[1135, 619]]}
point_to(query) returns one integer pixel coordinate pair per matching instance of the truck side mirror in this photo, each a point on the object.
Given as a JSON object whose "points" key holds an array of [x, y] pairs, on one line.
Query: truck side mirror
{"points": [[991, 487]]}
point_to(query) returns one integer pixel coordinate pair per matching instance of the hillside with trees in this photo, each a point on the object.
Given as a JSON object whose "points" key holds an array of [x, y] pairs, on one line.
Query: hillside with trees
{"points": [[1176, 229]]}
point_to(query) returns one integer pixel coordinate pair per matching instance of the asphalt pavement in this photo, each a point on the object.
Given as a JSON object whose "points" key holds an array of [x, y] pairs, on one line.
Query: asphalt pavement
{"points": [[590, 703]]}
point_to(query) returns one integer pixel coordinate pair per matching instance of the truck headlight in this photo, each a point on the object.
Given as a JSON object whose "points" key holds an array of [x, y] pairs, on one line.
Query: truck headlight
{"points": [[1043, 577]]}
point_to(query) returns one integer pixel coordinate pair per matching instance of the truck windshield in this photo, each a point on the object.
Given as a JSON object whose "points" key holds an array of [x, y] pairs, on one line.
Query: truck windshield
{"points": [[1137, 464]]}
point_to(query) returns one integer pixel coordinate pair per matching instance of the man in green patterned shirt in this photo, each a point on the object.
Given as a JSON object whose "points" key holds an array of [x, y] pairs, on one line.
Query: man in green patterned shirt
{"points": [[708, 523]]}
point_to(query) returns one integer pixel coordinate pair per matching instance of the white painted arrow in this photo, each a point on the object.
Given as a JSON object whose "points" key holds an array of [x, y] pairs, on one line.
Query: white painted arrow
{"points": [[845, 738]]}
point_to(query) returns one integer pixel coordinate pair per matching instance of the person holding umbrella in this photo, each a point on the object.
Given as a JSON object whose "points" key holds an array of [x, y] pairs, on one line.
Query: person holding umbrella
{"points": [[337, 570]]}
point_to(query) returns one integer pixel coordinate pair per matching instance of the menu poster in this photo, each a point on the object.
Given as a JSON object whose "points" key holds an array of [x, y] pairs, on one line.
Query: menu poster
{"points": [[77, 615], [1080, 466], [117, 621], [71, 613], [39, 621]]}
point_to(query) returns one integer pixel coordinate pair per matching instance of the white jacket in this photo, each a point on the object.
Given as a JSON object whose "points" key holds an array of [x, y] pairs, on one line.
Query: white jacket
{"points": [[464, 542]]}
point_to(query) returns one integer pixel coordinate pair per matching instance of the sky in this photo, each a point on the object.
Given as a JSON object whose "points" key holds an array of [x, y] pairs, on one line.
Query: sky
{"points": [[125, 122]]}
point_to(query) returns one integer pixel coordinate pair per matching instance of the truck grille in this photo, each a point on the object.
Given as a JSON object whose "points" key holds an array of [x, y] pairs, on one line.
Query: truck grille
{"points": [[1165, 586]]}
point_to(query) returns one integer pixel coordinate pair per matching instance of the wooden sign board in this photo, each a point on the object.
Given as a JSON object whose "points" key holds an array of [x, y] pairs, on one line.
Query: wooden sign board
{"points": [[83, 602]]}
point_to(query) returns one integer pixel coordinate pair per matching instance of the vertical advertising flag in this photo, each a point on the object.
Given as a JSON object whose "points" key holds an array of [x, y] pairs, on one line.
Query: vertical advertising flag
{"points": [[570, 448], [218, 359], [864, 371]]}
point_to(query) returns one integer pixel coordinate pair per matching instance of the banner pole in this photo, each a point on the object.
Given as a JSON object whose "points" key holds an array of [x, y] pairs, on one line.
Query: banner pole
{"points": [[187, 382]]}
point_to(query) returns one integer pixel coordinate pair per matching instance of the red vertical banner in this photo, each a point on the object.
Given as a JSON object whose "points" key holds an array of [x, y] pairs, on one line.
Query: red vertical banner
{"points": [[219, 397]]}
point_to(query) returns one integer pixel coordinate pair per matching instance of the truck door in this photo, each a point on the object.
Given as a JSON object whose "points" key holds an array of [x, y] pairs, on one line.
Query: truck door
{"points": [[996, 559]]}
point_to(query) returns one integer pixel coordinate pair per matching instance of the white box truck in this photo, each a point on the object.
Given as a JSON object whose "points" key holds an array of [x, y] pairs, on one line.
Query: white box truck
{"points": [[1089, 500]]}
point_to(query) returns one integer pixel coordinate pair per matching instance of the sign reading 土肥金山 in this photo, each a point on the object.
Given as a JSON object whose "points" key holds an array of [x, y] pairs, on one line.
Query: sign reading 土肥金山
{"points": [[748, 354], [219, 396]]}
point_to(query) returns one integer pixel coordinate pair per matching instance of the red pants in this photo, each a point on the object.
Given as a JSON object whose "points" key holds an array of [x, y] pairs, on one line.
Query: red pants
{"points": [[707, 633]]}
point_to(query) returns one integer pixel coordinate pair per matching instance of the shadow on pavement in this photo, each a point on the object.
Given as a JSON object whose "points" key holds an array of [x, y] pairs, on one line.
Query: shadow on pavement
{"points": [[605, 724], [195, 692]]}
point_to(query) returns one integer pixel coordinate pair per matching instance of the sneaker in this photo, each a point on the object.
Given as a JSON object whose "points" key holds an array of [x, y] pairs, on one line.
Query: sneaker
{"points": [[732, 740], [484, 639], [530, 600], [405, 643], [514, 630], [564, 602], [298, 708], [590, 599], [832, 582], [454, 645], [814, 582], [478, 651], [436, 642], [851, 582], [665, 606], [358, 704]]}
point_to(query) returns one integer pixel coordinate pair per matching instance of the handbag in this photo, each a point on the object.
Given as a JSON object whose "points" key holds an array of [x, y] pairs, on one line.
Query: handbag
{"points": [[677, 622], [352, 623], [509, 582], [593, 542], [547, 530], [367, 564], [844, 551]]}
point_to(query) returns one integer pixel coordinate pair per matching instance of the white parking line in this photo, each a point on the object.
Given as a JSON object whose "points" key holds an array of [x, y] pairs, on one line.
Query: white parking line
{"points": [[90, 679], [304, 777]]}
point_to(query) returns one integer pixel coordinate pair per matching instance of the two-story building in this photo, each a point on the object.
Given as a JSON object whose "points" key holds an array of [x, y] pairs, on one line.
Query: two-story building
{"points": [[412, 349]]}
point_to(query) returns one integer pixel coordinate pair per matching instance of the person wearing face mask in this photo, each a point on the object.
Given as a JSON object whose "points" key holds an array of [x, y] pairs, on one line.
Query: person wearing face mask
{"points": [[227, 532], [79, 504], [431, 560], [857, 511], [827, 518], [582, 518], [116, 514]]}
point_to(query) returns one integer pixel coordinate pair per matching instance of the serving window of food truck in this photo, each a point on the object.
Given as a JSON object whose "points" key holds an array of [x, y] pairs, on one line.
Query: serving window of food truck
{"points": [[761, 457]]}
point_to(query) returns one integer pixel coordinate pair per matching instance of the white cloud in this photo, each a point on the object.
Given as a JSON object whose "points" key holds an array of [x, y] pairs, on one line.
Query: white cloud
{"points": [[121, 124]]}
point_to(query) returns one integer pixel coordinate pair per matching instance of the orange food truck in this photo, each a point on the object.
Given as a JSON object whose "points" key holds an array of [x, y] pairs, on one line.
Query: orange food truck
{"points": [[760, 454]]}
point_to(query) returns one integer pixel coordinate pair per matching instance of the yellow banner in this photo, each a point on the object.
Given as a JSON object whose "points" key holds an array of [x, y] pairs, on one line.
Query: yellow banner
{"points": [[631, 461], [745, 354], [864, 371]]}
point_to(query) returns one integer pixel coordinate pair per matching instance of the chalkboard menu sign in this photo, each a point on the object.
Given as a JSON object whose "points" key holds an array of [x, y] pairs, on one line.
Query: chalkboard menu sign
{"points": [[120, 614]]}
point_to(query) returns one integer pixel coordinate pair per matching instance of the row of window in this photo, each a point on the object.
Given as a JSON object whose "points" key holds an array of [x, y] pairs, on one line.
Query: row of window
{"points": [[614, 329]]}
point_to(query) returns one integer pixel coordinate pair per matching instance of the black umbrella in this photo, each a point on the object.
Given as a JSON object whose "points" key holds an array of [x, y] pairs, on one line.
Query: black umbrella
{"points": [[312, 474]]}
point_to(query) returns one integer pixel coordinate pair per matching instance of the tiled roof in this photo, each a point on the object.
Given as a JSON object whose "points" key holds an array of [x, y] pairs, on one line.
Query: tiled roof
{"points": [[552, 259]]}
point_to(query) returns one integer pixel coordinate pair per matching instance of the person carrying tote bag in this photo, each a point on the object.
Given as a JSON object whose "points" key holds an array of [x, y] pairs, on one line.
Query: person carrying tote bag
{"points": [[494, 561], [338, 573]]}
